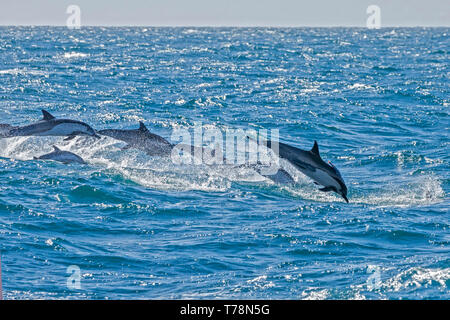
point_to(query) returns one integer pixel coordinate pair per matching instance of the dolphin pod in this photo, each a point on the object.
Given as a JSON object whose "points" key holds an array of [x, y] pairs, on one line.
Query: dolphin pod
{"points": [[309, 162]]}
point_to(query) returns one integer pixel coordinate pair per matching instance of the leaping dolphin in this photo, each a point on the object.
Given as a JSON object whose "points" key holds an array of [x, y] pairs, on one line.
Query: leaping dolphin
{"points": [[311, 164], [150, 143], [280, 177], [51, 126], [141, 139], [61, 156]]}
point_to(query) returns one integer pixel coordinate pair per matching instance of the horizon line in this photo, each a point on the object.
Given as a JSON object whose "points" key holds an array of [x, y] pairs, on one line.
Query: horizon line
{"points": [[227, 26]]}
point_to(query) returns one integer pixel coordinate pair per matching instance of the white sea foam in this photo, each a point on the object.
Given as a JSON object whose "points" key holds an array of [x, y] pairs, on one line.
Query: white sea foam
{"points": [[412, 279], [409, 280], [425, 190], [161, 173], [359, 86], [422, 190], [417, 277], [23, 71], [70, 55]]}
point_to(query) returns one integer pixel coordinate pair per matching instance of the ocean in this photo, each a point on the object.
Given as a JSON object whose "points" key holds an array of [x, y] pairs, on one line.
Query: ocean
{"points": [[132, 226]]}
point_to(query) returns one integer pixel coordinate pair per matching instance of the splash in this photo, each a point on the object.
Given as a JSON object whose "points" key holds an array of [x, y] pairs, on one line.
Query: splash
{"points": [[161, 173], [422, 190]]}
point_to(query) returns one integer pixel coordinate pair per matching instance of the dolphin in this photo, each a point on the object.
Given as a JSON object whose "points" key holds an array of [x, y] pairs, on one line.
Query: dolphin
{"points": [[61, 156], [141, 139], [51, 126], [279, 177], [150, 143], [311, 164]]}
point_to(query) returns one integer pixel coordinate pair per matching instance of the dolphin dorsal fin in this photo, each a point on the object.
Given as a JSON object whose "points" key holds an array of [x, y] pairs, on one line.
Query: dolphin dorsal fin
{"points": [[47, 116], [142, 127], [315, 149], [56, 149]]}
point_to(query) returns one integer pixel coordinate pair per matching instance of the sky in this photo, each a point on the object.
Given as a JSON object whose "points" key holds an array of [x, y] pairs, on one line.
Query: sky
{"points": [[277, 13]]}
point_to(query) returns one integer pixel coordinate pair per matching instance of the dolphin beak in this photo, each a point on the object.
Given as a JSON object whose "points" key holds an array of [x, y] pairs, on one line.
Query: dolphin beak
{"points": [[345, 198]]}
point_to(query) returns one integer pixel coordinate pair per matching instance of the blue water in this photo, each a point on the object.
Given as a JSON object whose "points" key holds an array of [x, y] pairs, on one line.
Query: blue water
{"points": [[138, 227]]}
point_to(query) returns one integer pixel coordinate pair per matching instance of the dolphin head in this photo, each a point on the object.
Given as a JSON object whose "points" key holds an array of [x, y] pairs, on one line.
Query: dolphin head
{"points": [[342, 190], [87, 131]]}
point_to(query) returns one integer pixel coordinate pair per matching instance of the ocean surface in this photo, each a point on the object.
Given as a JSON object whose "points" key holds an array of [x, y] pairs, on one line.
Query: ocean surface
{"points": [[130, 226]]}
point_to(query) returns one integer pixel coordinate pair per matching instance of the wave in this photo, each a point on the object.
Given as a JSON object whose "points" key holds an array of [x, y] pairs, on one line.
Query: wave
{"points": [[413, 280], [23, 71], [71, 55]]}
